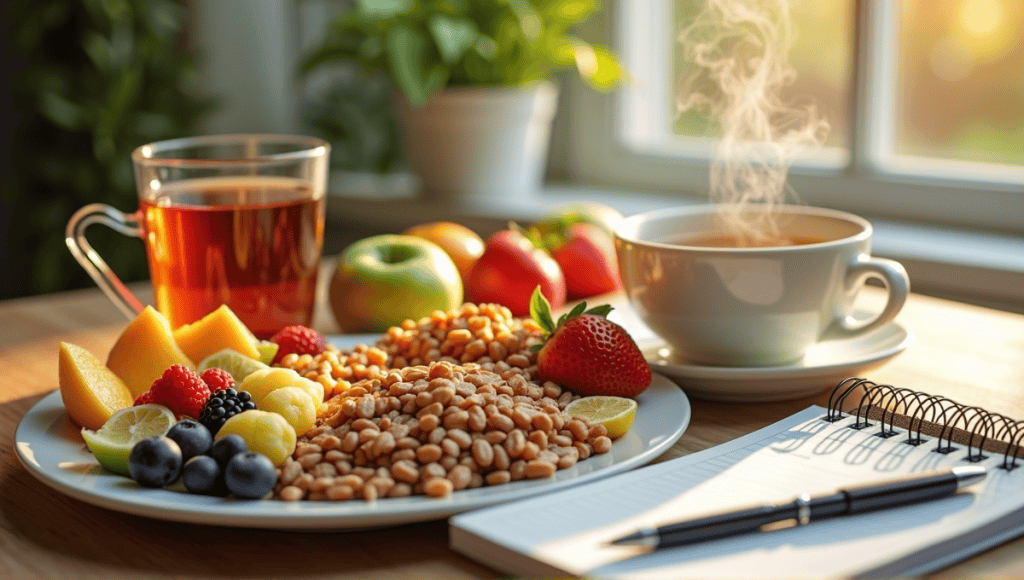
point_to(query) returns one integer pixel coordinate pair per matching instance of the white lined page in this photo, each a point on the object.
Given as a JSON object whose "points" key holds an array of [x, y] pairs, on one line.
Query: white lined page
{"points": [[568, 530]]}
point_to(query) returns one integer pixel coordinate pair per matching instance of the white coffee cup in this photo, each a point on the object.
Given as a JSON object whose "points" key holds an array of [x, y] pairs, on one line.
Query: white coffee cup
{"points": [[752, 306]]}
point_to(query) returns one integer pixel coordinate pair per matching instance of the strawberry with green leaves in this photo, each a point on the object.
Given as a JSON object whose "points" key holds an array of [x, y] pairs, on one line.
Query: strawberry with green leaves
{"points": [[587, 353]]}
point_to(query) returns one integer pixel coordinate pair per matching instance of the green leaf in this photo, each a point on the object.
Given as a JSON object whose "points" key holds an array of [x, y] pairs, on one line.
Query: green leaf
{"points": [[405, 47], [453, 36], [540, 311], [601, 310], [576, 311], [571, 11]]}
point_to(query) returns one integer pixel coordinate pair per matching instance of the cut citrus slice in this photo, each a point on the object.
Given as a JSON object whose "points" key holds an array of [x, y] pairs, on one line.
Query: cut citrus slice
{"points": [[112, 442], [268, 350], [615, 413], [91, 392], [234, 362]]}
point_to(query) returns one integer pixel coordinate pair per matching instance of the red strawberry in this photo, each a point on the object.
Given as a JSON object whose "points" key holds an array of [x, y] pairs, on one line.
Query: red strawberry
{"points": [[589, 354], [298, 339], [218, 379], [181, 390]]}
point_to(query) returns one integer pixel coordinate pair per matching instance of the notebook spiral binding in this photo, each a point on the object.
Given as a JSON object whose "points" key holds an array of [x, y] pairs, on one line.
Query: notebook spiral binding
{"points": [[920, 409]]}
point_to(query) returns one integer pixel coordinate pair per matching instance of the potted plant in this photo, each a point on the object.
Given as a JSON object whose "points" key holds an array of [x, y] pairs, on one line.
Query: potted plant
{"points": [[472, 79]]}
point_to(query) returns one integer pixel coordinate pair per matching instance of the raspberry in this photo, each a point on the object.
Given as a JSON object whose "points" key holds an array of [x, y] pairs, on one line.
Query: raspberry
{"points": [[181, 390], [217, 379], [298, 340], [144, 399]]}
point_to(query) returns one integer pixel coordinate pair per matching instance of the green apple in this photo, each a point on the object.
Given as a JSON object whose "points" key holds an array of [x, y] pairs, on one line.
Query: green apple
{"points": [[383, 280]]}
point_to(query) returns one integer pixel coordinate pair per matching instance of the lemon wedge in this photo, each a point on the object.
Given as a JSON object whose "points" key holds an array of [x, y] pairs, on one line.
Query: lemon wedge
{"points": [[235, 363], [112, 443], [615, 413]]}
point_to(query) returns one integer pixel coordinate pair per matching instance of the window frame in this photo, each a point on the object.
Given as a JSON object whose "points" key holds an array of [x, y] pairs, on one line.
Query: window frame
{"points": [[614, 141]]}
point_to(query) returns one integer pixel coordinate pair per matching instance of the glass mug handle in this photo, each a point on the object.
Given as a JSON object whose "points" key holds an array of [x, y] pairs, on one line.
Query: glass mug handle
{"points": [[125, 223]]}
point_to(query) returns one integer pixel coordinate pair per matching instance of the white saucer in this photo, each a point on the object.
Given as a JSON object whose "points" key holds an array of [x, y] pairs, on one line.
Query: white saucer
{"points": [[824, 366]]}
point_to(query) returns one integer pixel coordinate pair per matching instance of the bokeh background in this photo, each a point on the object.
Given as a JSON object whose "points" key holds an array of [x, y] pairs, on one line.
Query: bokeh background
{"points": [[86, 81]]}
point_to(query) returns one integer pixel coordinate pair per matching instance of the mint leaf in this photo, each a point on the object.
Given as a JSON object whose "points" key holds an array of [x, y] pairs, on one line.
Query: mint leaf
{"points": [[540, 310], [601, 311]]}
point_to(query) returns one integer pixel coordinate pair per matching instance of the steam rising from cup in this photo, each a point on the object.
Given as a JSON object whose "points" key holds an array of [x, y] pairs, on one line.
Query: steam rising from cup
{"points": [[739, 51]]}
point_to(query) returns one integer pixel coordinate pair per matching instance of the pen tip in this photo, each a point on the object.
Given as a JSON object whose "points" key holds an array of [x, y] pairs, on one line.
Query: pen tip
{"points": [[640, 538]]}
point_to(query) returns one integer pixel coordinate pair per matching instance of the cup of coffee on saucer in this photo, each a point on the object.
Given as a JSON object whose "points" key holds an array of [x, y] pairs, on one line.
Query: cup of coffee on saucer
{"points": [[745, 304]]}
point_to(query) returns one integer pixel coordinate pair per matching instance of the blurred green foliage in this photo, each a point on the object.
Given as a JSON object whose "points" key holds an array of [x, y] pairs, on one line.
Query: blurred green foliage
{"points": [[423, 46], [94, 80]]}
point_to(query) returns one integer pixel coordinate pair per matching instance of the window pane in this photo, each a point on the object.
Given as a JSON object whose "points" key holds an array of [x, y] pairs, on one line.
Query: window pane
{"points": [[820, 57], [961, 82]]}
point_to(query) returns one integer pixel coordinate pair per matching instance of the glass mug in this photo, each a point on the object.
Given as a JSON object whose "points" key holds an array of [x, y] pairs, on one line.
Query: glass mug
{"points": [[225, 219]]}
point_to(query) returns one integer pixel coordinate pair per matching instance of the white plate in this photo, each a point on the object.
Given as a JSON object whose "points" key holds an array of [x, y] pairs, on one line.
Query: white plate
{"points": [[50, 447], [824, 366]]}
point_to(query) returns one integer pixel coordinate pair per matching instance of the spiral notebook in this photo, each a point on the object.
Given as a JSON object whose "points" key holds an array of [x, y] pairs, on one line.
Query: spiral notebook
{"points": [[814, 451]]}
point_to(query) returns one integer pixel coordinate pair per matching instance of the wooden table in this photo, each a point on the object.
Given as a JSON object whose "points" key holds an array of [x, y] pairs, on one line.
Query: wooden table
{"points": [[970, 354]]}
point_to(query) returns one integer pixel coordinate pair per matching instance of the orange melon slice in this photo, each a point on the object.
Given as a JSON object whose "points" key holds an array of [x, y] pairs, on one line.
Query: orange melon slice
{"points": [[145, 349], [91, 393], [213, 333]]}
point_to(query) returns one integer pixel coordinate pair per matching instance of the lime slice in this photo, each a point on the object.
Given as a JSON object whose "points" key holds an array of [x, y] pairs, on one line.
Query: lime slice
{"points": [[615, 413], [268, 350], [234, 362], [112, 442]]}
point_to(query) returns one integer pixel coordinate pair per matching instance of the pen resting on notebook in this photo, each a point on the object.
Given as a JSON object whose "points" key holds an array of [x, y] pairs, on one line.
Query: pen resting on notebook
{"points": [[875, 496]]}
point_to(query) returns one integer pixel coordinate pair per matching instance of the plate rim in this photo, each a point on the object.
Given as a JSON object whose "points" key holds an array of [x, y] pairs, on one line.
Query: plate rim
{"points": [[191, 508]]}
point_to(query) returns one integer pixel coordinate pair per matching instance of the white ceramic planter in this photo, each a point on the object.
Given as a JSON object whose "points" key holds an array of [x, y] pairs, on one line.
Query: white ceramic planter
{"points": [[480, 142]]}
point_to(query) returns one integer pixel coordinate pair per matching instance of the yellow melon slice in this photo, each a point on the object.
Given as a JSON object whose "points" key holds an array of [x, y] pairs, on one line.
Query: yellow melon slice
{"points": [[145, 349], [91, 393], [213, 333]]}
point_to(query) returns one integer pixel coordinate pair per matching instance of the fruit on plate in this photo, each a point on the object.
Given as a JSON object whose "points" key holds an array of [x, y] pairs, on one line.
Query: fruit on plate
{"points": [[223, 405], [192, 437], [268, 351], [155, 461], [462, 244], [145, 349], [294, 404], [113, 441], [90, 391], [297, 339], [250, 475], [615, 413], [261, 383], [179, 389], [588, 353], [586, 254], [264, 432], [216, 331], [383, 280], [510, 268], [232, 361]]}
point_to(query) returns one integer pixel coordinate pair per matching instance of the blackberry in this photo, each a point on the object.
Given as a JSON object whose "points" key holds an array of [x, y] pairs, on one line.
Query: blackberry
{"points": [[222, 405]]}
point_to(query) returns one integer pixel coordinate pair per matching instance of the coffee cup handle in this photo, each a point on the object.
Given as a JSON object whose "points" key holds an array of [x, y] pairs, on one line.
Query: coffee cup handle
{"points": [[127, 224], [897, 283]]}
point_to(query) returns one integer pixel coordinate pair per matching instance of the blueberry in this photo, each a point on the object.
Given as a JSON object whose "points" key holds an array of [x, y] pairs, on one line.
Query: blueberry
{"points": [[155, 462], [227, 447], [250, 475], [201, 474], [193, 438]]}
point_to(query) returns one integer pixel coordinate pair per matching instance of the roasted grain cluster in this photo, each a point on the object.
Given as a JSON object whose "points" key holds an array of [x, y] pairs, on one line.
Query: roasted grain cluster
{"points": [[436, 405]]}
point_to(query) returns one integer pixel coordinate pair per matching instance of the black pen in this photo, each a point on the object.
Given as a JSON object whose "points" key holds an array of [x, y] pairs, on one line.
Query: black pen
{"points": [[803, 509]]}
